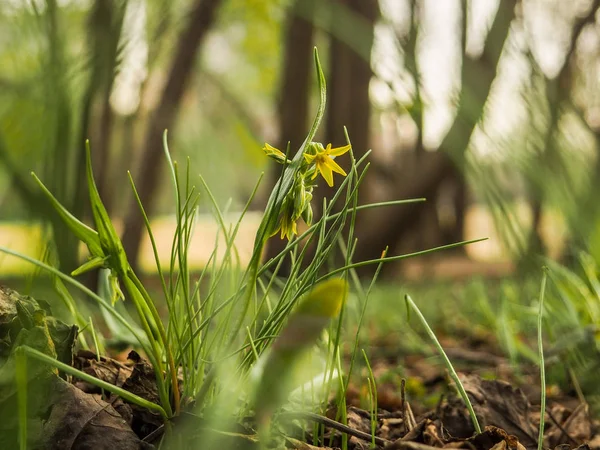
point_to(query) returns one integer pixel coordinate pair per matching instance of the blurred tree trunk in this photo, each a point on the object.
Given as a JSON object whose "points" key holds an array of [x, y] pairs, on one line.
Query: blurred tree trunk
{"points": [[425, 180], [558, 93], [105, 24], [60, 148], [583, 227], [294, 95], [201, 19], [457, 184], [348, 102]]}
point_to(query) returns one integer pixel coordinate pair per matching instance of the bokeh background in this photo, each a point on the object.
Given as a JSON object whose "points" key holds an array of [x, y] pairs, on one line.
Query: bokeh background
{"points": [[488, 108]]}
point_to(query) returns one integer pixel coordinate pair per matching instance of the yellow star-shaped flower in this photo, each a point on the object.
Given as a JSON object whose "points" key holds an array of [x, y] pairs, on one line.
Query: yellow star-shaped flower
{"points": [[324, 162]]}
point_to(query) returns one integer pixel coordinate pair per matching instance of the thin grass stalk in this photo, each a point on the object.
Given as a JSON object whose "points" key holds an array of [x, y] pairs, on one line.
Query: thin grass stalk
{"points": [[373, 394], [97, 346], [184, 276], [150, 234], [541, 360], [21, 382], [163, 336], [310, 230], [178, 253], [449, 366], [399, 257], [363, 296], [351, 195], [153, 243], [156, 355], [126, 395], [181, 236]]}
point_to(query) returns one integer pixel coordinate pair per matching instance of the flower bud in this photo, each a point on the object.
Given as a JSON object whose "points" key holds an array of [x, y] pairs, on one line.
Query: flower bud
{"points": [[307, 214]]}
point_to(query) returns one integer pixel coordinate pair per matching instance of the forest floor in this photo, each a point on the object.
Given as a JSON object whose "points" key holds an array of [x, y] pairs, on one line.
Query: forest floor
{"points": [[417, 409]]}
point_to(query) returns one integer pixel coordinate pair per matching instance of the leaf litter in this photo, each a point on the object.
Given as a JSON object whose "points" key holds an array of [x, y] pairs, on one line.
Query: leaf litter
{"points": [[77, 415]]}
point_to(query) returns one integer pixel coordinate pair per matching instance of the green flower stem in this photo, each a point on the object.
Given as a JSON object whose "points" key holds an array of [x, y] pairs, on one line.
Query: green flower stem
{"points": [[449, 366], [277, 198], [126, 395]]}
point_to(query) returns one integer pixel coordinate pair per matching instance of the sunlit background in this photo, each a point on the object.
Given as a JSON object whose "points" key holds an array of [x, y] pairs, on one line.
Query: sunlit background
{"points": [[489, 109]]}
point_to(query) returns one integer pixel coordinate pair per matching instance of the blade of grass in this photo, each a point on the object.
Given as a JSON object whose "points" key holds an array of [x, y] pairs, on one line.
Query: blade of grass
{"points": [[373, 395], [398, 257], [126, 395], [541, 361], [449, 366], [21, 381]]}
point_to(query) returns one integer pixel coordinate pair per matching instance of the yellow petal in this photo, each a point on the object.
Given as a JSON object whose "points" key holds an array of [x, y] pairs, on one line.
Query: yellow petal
{"points": [[335, 167], [337, 151], [309, 158], [326, 173]]}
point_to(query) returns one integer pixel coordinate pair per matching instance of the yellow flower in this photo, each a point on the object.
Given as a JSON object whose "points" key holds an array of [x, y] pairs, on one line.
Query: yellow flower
{"points": [[274, 153], [325, 163], [288, 227], [286, 223]]}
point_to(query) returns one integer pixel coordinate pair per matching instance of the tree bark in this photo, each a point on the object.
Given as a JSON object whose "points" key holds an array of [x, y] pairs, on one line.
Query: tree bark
{"points": [[389, 226], [200, 21], [558, 92], [349, 104]]}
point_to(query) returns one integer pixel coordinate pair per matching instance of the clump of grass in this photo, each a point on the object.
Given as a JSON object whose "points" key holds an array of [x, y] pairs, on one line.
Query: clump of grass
{"points": [[214, 336]]}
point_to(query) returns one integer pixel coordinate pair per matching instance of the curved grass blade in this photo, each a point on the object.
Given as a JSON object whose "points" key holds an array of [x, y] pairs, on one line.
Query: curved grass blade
{"points": [[449, 366]]}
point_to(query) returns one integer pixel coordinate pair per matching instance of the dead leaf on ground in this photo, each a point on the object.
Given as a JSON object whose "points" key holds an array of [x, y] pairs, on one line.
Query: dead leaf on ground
{"points": [[574, 427], [142, 383], [299, 445], [105, 369], [80, 421], [496, 403]]}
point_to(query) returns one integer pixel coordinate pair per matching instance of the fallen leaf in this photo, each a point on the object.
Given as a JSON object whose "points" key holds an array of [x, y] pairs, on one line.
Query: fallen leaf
{"points": [[80, 421], [496, 403]]}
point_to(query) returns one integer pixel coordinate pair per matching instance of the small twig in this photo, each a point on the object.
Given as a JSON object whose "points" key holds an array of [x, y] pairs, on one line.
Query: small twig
{"points": [[411, 422], [574, 414], [560, 427], [403, 403], [408, 445], [154, 435], [326, 421]]}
